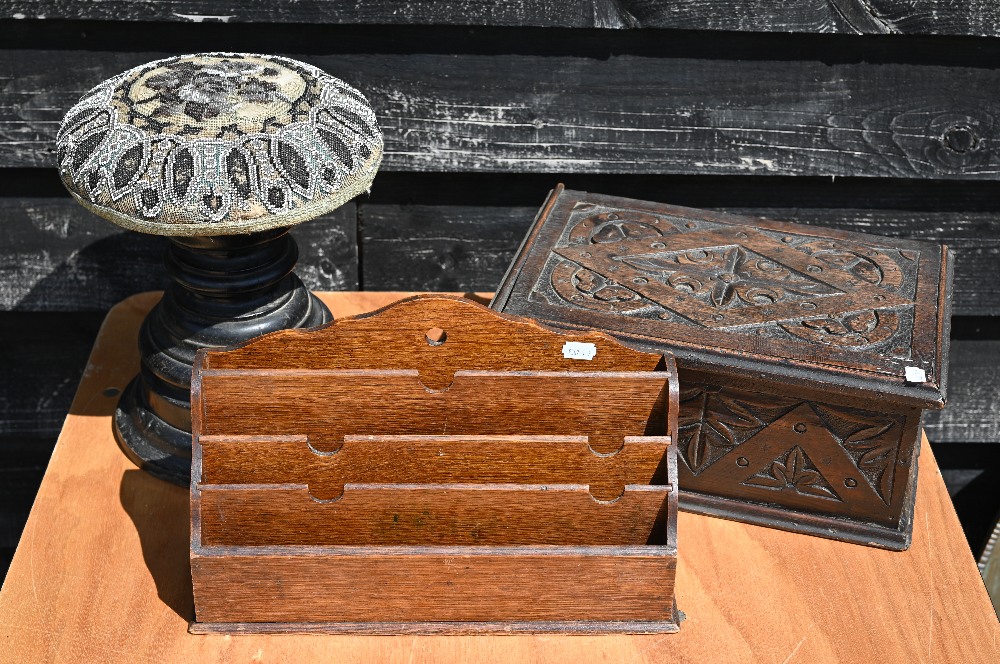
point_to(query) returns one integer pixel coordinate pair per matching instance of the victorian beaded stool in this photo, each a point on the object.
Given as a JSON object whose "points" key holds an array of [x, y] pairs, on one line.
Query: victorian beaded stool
{"points": [[222, 153]]}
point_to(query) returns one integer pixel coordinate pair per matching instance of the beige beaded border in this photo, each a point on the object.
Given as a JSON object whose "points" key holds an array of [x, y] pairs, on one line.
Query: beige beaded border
{"points": [[360, 184]]}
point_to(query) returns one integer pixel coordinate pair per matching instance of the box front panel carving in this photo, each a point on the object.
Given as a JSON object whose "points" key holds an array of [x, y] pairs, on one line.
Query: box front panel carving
{"points": [[808, 456]]}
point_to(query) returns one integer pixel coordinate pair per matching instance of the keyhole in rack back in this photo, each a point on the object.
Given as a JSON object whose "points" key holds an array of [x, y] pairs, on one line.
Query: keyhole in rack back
{"points": [[436, 336]]}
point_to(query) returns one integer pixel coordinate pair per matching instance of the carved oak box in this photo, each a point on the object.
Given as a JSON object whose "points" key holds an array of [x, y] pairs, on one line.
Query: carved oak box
{"points": [[807, 355]]}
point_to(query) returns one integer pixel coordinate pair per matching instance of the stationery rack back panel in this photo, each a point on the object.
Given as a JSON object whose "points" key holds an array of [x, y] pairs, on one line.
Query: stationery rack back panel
{"points": [[434, 467], [879, 119]]}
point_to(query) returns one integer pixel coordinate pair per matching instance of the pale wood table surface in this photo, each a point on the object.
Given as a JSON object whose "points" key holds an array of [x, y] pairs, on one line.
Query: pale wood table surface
{"points": [[101, 573]]}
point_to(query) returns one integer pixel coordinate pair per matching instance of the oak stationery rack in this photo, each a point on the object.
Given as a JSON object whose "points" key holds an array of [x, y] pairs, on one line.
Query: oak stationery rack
{"points": [[434, 467]]}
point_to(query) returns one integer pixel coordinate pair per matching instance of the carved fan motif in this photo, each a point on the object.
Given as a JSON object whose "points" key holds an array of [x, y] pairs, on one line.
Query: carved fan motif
{"points": [[618, 226], [852, 330], [867, 264], [590, 290]]}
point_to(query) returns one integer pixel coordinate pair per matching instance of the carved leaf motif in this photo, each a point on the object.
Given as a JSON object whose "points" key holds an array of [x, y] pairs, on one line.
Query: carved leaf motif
{"points": [[736, 260], [875, 453], [867, 443], [713, 422], [869, 432], [875, 456], [793, 471], [728, 417], [697, 449], [690, 393]]}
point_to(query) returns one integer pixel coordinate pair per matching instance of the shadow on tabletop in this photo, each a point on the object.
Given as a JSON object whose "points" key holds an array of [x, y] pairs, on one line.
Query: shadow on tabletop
{"points": [[160, 513], [477, 297]]}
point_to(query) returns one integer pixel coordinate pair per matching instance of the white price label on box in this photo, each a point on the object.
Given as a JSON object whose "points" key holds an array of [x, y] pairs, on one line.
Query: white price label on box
{"points": [[577, 350]]}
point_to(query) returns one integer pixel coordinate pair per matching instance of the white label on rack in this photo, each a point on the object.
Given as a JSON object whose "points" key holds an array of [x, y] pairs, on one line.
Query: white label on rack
{"points": [[576, 350], [915, 375]]}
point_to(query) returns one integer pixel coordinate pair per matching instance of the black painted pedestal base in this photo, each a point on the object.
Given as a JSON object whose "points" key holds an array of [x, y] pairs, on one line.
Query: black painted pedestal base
{"points": [[226, 289]]}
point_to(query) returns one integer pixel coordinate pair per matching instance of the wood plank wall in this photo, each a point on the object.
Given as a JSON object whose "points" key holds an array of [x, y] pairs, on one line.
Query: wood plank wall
{"points": [[873, 115]]}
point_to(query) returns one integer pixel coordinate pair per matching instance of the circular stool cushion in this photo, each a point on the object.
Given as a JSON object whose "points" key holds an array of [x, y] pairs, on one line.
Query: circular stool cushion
{"points": [[217, 144]]}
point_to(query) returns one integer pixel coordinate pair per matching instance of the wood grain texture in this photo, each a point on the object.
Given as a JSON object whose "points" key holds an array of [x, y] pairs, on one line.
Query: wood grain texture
{"points": [[973, 412], [449, 585], [592, 261], [840, 16], [43, 356], [770, 416], [440, 247], [426, 514], [395, 338], [620, 114], [57, 256], [328, 405], [96, 513], [410, 459]]}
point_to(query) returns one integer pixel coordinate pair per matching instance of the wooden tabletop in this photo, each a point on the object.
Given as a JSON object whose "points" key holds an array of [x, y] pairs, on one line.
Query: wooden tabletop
{"points": [[101, 573]]}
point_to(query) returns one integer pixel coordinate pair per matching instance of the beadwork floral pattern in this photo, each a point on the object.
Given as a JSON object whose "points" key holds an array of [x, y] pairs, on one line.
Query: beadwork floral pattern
{"points": [[203, 91], [218, 143]]}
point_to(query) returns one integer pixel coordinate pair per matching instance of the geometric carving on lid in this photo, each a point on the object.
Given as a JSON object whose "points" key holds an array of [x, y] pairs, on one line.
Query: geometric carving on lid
{"points": [[709, 279], [734, 279]]}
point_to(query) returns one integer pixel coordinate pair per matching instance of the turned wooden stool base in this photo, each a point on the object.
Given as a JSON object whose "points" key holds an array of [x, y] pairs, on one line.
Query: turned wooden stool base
{"points": [[151, 443], [226, 289]]}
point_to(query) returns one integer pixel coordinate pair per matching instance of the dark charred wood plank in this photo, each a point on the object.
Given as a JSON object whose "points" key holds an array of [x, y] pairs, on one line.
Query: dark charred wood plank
{"points": [[439, 248], [876, 17], [971, 471], [57, 256], [973, 411], [43, 356], [622, 114], [567, 13], [809, 16]]}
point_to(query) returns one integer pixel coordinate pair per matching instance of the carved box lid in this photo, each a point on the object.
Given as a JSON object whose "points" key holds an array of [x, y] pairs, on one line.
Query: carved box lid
{"points": [[800, 304]]}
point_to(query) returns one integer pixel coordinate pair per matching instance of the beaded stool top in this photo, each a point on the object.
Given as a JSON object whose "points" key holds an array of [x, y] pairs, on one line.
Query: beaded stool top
{"points": [[217, 144]]}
